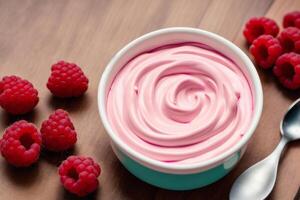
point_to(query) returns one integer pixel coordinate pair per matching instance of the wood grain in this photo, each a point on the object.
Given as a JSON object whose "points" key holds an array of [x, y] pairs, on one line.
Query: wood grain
{"points": [[36, 33]]}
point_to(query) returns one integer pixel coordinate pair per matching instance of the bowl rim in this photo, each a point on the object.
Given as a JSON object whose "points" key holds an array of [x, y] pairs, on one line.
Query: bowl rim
{"points": [[180, 168]]}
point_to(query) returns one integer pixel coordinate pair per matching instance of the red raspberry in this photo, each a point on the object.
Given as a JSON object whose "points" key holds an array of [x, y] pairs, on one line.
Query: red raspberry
{"points": [[79, 174], [287, 70], [17, 96], [292, 19], [265, 50], [256, 27], [58, 132], [67, 80], [21, 144], [289, 39]]}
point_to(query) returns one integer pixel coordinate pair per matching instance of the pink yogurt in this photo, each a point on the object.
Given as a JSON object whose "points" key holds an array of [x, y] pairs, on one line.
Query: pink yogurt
{"points": [[182, 103]]}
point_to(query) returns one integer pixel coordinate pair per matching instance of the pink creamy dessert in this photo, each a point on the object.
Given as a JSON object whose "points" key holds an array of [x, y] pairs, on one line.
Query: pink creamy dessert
{"points": [[182, 103]]}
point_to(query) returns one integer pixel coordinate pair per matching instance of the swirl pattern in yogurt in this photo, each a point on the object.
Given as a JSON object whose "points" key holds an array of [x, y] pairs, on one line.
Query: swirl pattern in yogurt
{"points": [[181, 103]]}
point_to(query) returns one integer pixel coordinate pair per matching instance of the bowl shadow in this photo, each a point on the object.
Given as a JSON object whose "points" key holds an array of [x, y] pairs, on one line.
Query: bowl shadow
{"points": [[128, 183]]}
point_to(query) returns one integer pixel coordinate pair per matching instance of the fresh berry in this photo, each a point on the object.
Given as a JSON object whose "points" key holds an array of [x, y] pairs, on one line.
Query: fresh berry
{"points": [[265, 50], [17, 96], [58, 132], [79, 174], [289, 39], [256, 27], [21, 144], [67, 80], [292, 19], [287, 70]]}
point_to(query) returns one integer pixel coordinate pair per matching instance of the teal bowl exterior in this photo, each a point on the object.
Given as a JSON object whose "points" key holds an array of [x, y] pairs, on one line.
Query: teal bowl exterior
{"points": [[177, 181]]}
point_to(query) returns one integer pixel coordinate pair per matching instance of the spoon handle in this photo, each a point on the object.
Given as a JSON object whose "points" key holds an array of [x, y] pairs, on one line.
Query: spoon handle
{"points": [[279, 149], [258, 181]]}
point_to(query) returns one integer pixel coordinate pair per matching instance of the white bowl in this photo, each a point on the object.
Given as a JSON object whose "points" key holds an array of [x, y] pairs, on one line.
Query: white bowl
{"points": [[171, 36]]}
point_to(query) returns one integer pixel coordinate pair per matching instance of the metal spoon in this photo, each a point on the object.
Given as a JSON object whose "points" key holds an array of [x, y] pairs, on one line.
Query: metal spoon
{"points": [[257, 182]]}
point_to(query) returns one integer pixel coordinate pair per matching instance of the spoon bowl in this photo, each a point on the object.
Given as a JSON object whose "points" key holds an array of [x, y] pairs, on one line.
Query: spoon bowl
{"points": [[290, 125]]}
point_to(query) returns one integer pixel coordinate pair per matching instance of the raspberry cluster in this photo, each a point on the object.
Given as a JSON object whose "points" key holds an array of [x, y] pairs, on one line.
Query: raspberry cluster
{"points": [[265, 50], [287, 70], [67, 80], [58, 132], [22, 142], [79, 175], [258, 26], [17, 95], [292, 19], [280, 53]]}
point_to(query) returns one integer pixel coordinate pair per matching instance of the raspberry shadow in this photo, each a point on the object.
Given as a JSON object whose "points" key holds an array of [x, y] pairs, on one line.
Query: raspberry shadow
{"points": [[72, 104], [8, 119], [21, 176]]}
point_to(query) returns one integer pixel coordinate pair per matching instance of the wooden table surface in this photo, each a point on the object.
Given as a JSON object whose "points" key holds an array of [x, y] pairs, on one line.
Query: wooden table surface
{"points": [[36, 33]]}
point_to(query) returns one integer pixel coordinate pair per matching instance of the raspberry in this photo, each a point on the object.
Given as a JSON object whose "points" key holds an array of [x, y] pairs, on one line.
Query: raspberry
{"points": [[289, 39], [287, 70], [17, 96], [292, 19], [79, 174], [67, 80], [58, 132], [265, 50], [20, 144], [256, 27]]}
